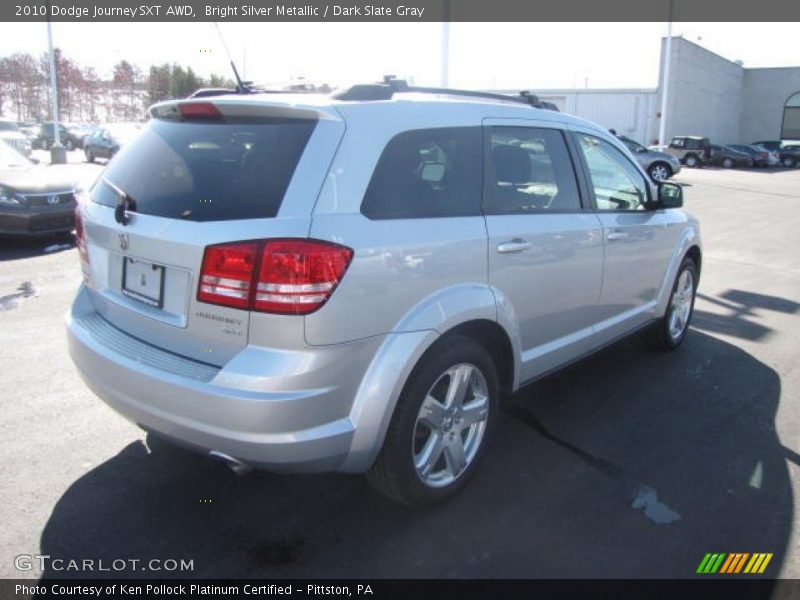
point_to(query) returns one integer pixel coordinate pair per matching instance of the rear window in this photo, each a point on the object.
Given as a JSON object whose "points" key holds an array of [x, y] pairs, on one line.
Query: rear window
{"points": [[205, 171]]}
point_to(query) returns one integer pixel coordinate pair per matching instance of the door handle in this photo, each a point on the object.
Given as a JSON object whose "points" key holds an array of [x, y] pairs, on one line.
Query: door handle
{"points": [[511, 246], [614, 236]]}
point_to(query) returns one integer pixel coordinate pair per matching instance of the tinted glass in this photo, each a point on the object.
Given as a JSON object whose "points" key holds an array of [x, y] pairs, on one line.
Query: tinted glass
{"points": [[529, 170], [617, 184], [427, 173], [201, 171]]}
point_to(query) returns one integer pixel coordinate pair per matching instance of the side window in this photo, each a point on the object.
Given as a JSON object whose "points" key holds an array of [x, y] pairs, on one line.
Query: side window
{"points": [[676, 143], [427, 173], [616, 182], [529, 170]]}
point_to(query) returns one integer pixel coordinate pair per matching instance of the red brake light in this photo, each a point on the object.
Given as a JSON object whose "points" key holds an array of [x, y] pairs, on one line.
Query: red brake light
{"points": [[199, 110], [278, 276], [227, 274], [80, 235], [298, 276]]}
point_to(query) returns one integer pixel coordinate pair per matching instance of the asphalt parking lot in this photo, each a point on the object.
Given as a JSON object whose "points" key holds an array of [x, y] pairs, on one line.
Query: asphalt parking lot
{"points": [[629, 464]]}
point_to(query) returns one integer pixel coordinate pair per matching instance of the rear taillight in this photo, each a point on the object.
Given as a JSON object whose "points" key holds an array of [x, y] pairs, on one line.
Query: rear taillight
{"points": [[80, 235], [227, 274], [278, 276]]}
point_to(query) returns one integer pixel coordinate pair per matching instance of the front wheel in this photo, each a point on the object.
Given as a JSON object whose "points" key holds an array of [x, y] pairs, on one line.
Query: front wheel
{"points": [[440, 425], [787, 161], [727, 163], [659, 172], [669, 331]]}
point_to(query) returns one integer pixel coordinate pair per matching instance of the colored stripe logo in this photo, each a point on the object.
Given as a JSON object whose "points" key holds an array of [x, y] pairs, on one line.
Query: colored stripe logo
{"points": [[734, 563]]}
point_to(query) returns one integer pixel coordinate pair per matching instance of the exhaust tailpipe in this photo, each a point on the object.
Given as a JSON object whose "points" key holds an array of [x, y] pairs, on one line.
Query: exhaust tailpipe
{"points": [[234, 464]]}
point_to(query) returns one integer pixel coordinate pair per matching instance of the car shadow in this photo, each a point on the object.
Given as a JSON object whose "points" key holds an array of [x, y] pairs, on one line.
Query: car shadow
{"points": [[741, 313], [628, 464], [16, 248]]}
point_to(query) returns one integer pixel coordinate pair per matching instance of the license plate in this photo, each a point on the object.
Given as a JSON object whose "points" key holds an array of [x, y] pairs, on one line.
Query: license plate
{"points": [[143, 281]]}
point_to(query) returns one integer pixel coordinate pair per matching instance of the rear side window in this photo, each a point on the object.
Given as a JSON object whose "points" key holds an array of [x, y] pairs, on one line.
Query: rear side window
{"points": [[207, 171], [529, 170], [427, 173]]}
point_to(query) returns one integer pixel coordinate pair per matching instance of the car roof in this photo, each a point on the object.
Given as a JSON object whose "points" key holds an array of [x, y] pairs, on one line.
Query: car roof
{"points": [[450, 109]]}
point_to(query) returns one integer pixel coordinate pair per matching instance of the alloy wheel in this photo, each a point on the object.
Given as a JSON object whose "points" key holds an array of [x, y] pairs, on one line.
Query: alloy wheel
{"points": [[659, 172], [681, 305], [450, 425]]}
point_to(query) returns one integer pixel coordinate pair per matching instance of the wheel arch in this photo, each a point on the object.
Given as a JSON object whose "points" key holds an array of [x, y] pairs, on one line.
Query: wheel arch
{"points": [[393, 367]]}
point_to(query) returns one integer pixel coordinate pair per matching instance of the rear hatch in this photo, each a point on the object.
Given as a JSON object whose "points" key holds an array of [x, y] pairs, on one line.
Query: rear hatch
{"points": [[200, 173]]}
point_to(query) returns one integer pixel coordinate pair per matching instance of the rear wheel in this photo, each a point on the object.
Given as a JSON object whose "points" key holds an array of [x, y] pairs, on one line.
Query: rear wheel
{"points": [[691, 160], [659, 171], [727, 163], [788, 162], [668, 332], [440, 426]]}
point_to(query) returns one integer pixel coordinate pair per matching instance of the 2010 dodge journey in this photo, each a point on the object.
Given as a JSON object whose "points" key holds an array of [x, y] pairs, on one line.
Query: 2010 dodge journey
{"points": [[353, 283]]}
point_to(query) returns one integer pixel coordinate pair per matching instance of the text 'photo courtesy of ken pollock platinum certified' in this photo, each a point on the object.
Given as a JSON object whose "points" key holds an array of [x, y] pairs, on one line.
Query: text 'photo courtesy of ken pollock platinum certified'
{"points": [[218, 11]]}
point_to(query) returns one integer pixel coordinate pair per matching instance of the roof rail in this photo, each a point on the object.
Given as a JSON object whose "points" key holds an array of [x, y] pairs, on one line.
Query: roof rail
{"points": [[390, 85]]}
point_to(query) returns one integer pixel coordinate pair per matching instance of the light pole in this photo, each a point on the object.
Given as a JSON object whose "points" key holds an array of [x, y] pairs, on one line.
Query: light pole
{"points": [[662, 128], [58, 154], [444, 78]]}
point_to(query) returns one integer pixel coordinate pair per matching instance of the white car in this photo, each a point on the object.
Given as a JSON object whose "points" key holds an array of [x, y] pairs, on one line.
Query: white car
{"points": [[11, 135]]}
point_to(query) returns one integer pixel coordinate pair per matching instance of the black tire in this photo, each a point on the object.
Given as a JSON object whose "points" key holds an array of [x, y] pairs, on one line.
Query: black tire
{"points": [[659, 336], [394, 474], [657, 169], [788, 162], [691, 161], [727, 163]]}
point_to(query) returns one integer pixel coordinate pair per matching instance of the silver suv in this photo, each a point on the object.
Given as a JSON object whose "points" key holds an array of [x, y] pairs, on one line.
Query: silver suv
{"points": [[354, 283]]}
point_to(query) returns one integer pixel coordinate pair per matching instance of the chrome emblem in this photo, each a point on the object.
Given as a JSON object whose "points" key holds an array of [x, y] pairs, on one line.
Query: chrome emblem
{"points": [[53, 199], [124, 241]]}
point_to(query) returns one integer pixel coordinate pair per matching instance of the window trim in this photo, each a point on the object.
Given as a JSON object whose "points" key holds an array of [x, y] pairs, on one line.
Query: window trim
{"points": [[648, 207], [488, 173]]}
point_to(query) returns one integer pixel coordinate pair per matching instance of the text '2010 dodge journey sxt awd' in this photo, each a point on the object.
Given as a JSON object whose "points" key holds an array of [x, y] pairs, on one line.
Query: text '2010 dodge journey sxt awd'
{"points": [[353, 283]]}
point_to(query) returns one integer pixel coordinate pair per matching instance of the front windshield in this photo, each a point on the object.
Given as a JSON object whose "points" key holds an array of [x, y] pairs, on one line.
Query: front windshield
{"points": [[11, 158], [633, 146]]}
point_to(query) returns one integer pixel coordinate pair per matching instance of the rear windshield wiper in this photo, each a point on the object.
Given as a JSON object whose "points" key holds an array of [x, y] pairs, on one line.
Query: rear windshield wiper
{"points": [[125, 203]]}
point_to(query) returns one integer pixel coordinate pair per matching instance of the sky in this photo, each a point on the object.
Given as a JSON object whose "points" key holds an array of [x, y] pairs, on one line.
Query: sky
{"points": [[482, 55]]}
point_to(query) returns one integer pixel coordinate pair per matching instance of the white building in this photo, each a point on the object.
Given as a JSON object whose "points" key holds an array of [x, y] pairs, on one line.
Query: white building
{"points": [[708, 95]]}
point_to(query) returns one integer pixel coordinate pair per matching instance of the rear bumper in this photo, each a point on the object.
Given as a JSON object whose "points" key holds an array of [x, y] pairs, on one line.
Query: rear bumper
{"points": [[236, 409]]}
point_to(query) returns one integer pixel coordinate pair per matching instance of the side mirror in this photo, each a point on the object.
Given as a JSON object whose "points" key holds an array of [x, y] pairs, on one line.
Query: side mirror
{"points": [[670, 195]]}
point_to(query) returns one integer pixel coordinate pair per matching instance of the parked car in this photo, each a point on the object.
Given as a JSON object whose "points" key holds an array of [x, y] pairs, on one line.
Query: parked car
{"points": [[301, 283], [105, 142], [659, 165], [34, 199], [789, 153], [11, 135], [727, 157], [691, 150], [759, 155], [68, 138]]}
